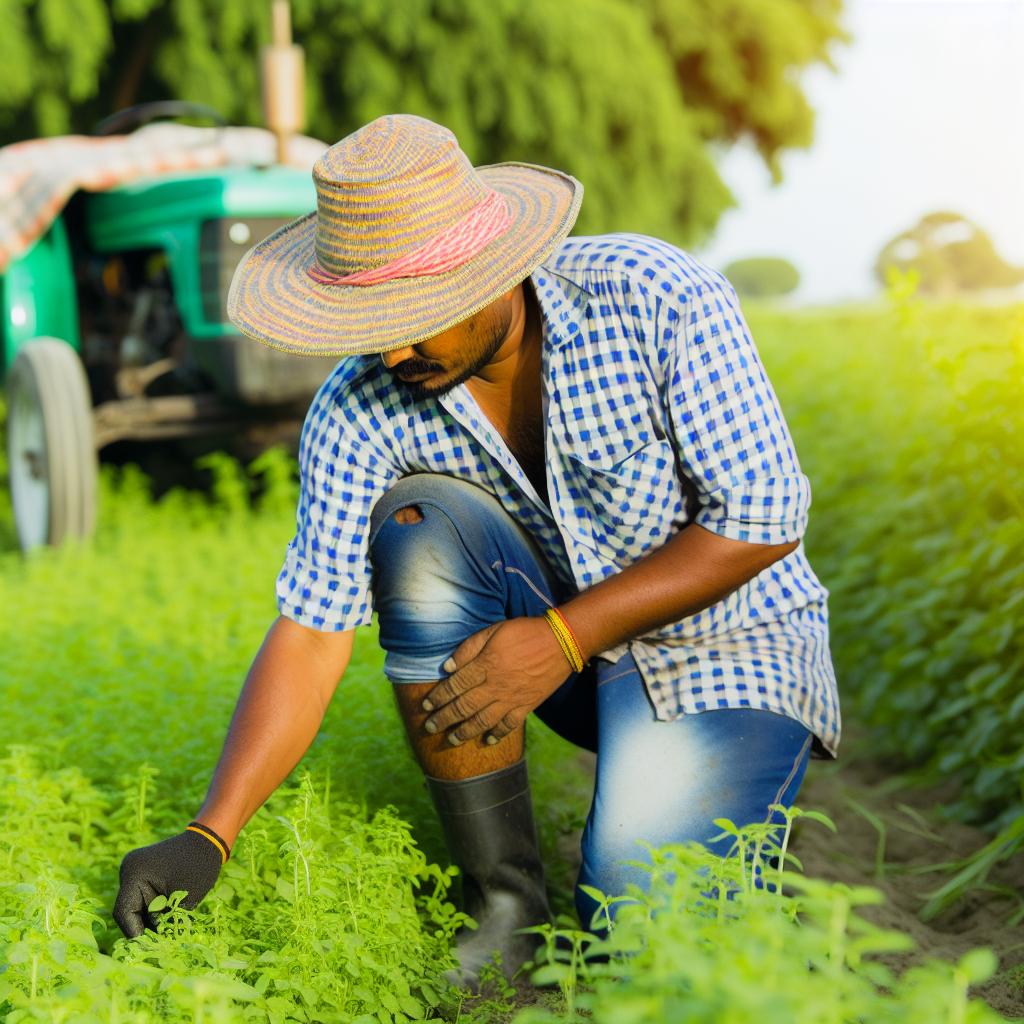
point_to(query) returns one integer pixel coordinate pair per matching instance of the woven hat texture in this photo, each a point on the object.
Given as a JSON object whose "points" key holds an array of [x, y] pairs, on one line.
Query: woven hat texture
{"points": [[408, 239]]}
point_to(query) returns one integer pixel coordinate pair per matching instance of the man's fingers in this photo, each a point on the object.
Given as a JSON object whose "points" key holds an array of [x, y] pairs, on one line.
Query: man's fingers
{"points": [[477, 725], [148, 894], [465, 679], [128, 909], [131, 908], [458, 710], [509, 723], [469, 648]]}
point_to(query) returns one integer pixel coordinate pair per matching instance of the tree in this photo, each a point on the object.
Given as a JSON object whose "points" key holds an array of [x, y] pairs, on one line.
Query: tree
{"points": [[633, 97], [950, 253], [762, 277]]}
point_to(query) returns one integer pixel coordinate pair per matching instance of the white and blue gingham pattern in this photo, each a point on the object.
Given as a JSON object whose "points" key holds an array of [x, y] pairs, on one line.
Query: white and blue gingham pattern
{"points": [[658, 414]]}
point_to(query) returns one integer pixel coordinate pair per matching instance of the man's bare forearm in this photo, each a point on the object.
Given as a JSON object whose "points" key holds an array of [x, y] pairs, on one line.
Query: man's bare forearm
{"points": [[278, 714], [690, 572]]}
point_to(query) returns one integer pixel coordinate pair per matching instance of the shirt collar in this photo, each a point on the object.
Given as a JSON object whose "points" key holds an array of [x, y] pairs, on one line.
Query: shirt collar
{"points": [[563, 304]]}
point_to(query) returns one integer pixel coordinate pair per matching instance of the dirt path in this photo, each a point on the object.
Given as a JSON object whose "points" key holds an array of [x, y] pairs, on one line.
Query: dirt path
{"points": [[850, 856]]}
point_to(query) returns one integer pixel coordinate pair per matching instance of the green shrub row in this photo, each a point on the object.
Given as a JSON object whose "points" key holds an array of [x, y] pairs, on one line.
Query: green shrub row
{"points": [[325, 914], [320, 913], [910, 425]]}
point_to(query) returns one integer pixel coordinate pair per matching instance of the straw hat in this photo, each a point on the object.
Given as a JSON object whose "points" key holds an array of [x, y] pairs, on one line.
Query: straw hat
{"points": [[408, 238]]}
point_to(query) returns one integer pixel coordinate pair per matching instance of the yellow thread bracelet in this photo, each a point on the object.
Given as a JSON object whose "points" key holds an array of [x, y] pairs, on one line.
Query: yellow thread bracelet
{"points": [[566, 650], [566, 647], [572, 637], [566, 639], [569, 645]]}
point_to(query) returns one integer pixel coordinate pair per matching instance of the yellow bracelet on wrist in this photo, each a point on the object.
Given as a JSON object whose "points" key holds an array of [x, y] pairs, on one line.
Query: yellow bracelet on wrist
{"points": [[566, 639]]}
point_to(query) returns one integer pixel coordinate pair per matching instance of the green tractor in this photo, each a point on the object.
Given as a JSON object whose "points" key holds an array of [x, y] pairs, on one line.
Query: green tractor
{"points": [[113, 327]]}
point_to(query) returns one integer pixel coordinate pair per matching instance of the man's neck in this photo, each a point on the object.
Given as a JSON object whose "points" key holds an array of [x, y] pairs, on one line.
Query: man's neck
{"points": [[512, 390]]}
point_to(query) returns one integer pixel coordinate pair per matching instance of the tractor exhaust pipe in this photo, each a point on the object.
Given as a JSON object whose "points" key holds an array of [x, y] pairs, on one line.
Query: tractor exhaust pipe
{"points": [[284, 108]]}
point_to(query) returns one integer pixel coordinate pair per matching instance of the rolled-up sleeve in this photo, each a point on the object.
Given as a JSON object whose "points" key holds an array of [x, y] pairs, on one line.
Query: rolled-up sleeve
{"points": [[325, 580], [732, 438]]}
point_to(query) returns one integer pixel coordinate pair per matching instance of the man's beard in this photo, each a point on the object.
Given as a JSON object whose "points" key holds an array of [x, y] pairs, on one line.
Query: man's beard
{"points": [[491, 334]]}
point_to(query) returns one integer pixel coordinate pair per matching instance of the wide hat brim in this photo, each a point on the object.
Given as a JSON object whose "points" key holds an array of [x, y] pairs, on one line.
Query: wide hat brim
{"points": [[273, 299]]}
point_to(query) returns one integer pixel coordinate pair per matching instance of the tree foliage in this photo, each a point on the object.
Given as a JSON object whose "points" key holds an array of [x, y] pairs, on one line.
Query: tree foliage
{"points": [[633, 97], [950, 253], [761, 277]]}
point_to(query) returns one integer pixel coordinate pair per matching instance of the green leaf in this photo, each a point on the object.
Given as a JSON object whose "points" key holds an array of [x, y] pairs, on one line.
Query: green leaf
{"points": [[411, 1006], [979, 965], [821, 818]]}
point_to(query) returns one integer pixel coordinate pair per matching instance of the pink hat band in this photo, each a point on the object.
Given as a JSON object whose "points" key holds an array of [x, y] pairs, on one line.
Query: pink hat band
{"points": [[450, 248]]}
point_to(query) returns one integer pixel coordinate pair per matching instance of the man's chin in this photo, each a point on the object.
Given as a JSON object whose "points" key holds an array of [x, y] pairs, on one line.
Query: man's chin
{"points": [[427, 388]]}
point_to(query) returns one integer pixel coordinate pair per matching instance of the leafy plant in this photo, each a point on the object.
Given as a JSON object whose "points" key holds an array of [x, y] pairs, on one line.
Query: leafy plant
{"points": [[122, 660], [917, 530], [703, 941]]}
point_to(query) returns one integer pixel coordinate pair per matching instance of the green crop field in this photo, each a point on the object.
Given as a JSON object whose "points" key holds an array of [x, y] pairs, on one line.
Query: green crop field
{"points": [[121, 660]]}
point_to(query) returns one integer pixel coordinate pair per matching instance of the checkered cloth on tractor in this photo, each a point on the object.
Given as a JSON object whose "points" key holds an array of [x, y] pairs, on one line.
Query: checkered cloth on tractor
{"points": [[38, 177]]}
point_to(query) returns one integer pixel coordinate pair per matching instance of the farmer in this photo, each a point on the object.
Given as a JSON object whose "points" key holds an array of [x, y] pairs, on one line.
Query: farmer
{"points": [[556, 470]]}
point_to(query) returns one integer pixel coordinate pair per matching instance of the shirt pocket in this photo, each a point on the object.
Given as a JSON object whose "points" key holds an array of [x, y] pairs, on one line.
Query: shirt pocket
{"points": [[633, 499]]}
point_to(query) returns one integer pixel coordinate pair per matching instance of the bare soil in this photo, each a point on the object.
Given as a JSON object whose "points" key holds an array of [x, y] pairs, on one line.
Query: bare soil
{"points": [[979, 919]]}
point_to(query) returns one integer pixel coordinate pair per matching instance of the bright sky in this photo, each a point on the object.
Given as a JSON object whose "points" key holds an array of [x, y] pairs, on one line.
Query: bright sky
{"points": [[926, 112]]}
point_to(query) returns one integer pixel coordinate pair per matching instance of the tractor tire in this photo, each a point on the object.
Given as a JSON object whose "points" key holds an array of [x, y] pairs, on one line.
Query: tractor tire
{"points": [[52, 461]]}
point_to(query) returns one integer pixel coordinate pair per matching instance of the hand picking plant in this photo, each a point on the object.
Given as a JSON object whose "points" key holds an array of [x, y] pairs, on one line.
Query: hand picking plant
{"points": [[323, 915]]}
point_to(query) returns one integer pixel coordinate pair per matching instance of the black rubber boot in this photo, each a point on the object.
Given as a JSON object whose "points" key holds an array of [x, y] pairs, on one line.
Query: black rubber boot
{"points": [[488, 825]]}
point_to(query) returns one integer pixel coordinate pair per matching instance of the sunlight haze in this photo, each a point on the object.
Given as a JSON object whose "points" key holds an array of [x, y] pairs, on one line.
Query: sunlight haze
{"points": [[925, 112]]}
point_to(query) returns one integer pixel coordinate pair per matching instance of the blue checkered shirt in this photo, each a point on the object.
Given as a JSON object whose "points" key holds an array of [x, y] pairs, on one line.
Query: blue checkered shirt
{"points": [[658, 414]]}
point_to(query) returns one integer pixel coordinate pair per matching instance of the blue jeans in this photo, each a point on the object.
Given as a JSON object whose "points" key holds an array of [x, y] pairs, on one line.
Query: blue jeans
{"points": [[469, 564]]}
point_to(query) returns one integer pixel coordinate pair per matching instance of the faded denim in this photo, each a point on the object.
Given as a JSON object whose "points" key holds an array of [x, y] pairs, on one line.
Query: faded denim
{"points": [[468, 564]]}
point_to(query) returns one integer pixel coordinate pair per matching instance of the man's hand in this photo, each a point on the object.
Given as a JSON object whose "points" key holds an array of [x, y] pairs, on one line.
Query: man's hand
{"points": [[187, 861], [501, 673]]}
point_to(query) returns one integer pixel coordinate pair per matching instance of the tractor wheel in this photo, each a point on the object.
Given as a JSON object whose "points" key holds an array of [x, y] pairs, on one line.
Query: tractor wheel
{"points": [[51, 454]]}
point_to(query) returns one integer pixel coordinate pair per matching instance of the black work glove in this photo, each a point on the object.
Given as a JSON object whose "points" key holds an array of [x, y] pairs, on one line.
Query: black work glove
{"points": [[188, 861]]}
